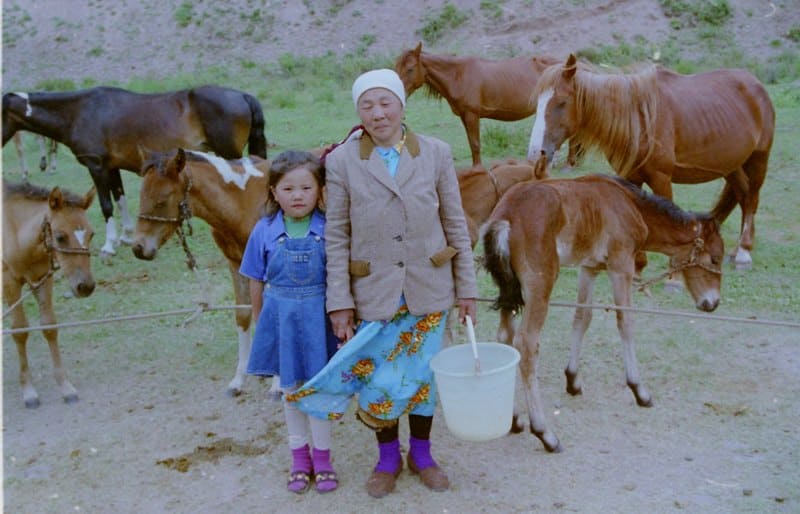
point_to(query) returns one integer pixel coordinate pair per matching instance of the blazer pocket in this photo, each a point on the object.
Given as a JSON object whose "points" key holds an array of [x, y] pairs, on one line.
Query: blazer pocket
{"points": [[441, 257], [359, 268]]}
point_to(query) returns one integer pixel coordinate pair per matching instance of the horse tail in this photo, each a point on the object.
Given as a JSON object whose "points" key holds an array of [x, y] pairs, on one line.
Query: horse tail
{"points": [[257, 142], [497, 260]]}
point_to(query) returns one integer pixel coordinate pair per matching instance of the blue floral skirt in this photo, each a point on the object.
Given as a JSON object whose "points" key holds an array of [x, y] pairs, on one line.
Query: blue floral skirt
{"points": [[387, 363]]}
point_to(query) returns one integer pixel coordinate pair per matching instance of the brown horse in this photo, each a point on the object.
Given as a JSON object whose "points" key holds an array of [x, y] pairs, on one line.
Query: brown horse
{"points": [[226, 194], [108, 128], [476, 88], [481, 189], [598, 223], [656, 127], [43, 231]]}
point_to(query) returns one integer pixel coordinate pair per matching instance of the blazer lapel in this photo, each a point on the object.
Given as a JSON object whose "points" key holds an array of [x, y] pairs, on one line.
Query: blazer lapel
{"points": [[375, 164], [408, 162]]}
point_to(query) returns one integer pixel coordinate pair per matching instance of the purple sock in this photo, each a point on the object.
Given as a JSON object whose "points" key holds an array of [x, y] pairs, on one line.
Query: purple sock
{"points": [[390, 459], [301, 459], [322, 460], [420, 451]]}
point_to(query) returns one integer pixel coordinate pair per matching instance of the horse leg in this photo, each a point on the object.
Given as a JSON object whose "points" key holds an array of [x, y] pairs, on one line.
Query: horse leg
{"points": [[537, 287], [44, 297], [580, 323], [472, 124], [42, 153], [621, 285], [12, 291], [243, 319], [101, 182], [755, 170], [21, 155], [51, 156], [118, 191]]}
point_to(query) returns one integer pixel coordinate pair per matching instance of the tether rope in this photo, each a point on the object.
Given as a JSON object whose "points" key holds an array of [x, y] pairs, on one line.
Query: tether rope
{"points": [[202, 307]]}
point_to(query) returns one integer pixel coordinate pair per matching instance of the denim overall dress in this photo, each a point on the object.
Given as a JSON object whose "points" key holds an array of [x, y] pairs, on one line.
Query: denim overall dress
{"points": [[293, 336]]}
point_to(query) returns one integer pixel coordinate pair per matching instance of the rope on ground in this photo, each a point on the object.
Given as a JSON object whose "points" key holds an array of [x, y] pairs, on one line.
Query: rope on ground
{"points": [[194, 313]]}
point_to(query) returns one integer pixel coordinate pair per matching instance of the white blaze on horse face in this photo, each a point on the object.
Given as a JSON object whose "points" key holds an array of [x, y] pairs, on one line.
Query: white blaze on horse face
{"points": [[228, 174], [539, 126], [28, 108], [80, 235]]}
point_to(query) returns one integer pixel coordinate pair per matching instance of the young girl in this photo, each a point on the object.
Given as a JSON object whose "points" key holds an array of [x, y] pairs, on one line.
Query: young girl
{"points": [[285, 262]]}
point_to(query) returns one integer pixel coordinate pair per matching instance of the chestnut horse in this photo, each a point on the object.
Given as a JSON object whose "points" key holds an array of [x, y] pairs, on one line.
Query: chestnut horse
{"points": [[226, 194], [107, 129], [656, 127], [43, 231], [481, 189], [476, 88], [598, 223]]}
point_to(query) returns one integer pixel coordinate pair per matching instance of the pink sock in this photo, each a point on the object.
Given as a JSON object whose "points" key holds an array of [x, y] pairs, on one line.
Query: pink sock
{"points": [[420, 451], [390, 459], [301, 459]]}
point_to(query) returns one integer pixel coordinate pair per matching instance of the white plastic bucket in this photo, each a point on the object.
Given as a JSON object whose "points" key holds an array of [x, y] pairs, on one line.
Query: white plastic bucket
{"points": [[476, 383]]}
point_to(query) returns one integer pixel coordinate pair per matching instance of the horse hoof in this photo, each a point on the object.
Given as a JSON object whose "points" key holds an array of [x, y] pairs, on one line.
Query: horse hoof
{"points": [[71, 398], [32, 403], [742, 266], [516, 426], [233, 392], [106, 258]]}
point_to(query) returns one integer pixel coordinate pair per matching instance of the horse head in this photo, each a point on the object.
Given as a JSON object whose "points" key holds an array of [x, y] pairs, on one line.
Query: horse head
{"points": [[700, 263], [410, 69], [162, 200], [556, 111], [67, 233]]}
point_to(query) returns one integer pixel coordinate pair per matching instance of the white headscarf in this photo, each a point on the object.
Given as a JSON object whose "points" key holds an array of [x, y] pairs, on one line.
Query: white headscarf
{"points": [[384, 78]]}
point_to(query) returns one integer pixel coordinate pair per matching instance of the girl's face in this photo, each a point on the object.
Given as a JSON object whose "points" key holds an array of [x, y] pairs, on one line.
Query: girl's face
{"points": [[297, 192], [381, 113]]}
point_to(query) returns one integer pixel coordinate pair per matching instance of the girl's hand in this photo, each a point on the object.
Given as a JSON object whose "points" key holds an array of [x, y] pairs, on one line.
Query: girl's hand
{"points": [[467, 307], [343, 324]]}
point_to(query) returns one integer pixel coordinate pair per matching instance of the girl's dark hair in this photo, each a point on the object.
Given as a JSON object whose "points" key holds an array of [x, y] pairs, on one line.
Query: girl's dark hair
{"points": [[284, 163]]}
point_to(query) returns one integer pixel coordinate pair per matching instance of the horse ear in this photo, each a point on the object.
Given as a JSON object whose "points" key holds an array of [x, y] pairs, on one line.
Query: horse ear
{"points": [[176, 164], [570, 67], [418, 49], [56, 199], [540, 168], [88, 198]]}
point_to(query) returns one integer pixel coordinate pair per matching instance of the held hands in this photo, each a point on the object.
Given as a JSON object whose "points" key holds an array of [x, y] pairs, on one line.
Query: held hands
{"points": [[467, 307], [343, 324]]}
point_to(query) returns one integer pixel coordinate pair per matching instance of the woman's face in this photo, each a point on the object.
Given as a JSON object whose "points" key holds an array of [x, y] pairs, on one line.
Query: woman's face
{"points": [[297, 193], [381, 113]]}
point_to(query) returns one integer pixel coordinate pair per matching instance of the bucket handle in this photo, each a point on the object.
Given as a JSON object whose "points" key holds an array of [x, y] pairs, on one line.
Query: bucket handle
{"points": [[471, 337]]}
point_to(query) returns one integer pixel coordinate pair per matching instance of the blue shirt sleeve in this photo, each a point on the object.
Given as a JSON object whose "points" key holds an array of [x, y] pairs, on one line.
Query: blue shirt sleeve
{"points": [[254, 260]]}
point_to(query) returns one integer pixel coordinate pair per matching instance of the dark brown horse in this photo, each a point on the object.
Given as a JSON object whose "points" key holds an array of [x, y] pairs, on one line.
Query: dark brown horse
{"points": [[476, 88], [108, 128], [657, 127], [226, 194], [598, 223], [44, 231]]}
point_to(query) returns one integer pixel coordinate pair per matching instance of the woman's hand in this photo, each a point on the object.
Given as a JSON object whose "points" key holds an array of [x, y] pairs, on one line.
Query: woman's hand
{"points": [[467, 307], [343, 323]]}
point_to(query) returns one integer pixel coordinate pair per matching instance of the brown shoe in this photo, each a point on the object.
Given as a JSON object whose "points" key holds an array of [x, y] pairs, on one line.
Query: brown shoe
{"points": [[433, 477], [380, 484]]}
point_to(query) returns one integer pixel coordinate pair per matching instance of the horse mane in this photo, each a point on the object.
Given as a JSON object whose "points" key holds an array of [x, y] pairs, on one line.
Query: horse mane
{"points": [[622, 108], [34, 192], [658, 203]]}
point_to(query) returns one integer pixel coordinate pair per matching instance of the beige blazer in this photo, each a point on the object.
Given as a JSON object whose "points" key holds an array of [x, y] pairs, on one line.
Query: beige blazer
{"points": [[386, 236]]}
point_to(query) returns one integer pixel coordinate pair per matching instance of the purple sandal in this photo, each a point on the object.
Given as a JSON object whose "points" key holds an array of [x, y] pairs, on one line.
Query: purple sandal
{"points": [[299, 482], [326, 481]]}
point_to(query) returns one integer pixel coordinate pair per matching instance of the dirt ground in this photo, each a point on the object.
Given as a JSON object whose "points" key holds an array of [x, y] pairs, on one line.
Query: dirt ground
{"points": [[154, 432], [158, 435]]}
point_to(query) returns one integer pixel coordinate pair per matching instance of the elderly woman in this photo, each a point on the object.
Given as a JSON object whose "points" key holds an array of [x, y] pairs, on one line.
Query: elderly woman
{"points": [[399, 258]]}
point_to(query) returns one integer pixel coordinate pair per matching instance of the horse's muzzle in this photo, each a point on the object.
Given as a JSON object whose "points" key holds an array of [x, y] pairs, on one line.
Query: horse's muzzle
{"points": [[140, 252]]}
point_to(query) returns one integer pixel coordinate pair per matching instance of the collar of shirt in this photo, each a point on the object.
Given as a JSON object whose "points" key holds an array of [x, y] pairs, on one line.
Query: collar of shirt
{"points": [[277, 228]]}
